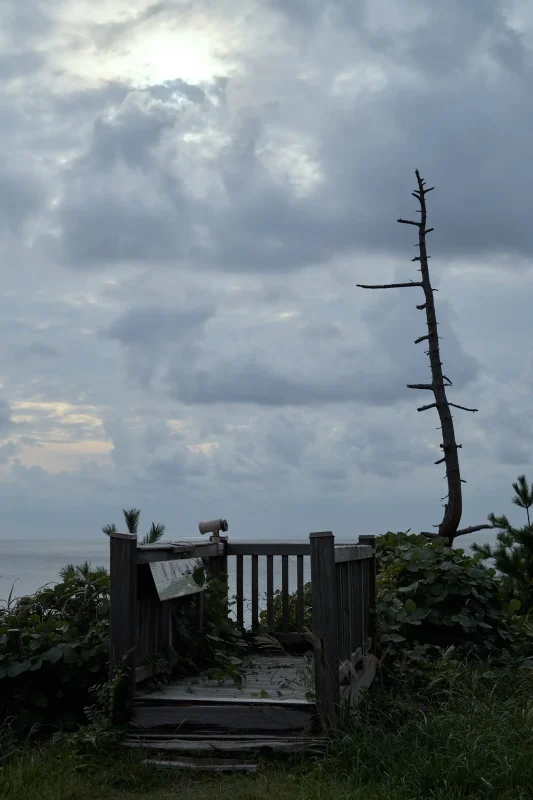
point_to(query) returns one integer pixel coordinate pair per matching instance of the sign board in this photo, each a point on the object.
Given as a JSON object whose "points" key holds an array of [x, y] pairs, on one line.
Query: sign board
{"points": [[175, 578]]}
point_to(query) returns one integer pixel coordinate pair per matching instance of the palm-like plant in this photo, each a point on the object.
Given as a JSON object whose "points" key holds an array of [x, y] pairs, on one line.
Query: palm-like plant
{"points": [[131, 517], [82, 571], [513, 553]]}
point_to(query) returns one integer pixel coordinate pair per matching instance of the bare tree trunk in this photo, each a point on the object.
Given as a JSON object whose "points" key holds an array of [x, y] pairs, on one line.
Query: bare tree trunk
{"points": [[453, 508]]}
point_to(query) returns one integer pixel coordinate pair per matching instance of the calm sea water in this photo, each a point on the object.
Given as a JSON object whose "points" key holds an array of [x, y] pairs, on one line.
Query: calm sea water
{"points": [[27, 565]]}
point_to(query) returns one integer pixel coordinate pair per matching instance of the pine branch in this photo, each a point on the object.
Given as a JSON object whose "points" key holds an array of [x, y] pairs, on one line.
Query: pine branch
{"points": [[420, 386], [421, 338]]}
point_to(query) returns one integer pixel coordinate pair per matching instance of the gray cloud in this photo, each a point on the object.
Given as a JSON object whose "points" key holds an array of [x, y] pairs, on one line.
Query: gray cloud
{"points": [[181, 326]]}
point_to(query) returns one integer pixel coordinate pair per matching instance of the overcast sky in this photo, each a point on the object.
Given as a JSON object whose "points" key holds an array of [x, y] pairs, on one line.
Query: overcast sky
{"points": [[189, 194]]}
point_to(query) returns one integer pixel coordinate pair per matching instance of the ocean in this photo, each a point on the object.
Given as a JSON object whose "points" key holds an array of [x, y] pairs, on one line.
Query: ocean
{"points": [[28, 564]]}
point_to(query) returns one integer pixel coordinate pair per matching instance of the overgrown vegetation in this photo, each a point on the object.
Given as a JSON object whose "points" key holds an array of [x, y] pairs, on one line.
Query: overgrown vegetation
{"points": [[54, 646], [292, 604], [450, 715]]}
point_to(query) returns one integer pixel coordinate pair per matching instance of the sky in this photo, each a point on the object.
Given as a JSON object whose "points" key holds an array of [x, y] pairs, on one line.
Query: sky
{"points": [[189, 194]]}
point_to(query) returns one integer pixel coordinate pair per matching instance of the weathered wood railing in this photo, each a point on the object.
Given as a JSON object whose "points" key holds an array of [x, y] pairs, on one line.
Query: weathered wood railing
{"points": [[343, 584], [261, 556]]}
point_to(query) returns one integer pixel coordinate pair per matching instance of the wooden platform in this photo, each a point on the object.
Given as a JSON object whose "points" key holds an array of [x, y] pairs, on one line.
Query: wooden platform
{"points": [[282, 678], [273, 711]]}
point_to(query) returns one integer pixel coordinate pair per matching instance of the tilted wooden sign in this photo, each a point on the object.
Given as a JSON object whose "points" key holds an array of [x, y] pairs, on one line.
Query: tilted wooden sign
{"points": [[175, 578]]}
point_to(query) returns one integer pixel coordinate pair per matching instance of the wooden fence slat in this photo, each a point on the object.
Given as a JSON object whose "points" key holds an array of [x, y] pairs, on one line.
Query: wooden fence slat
{"points": [[372, 567], [270, 592], [300, 592], [240, 597], [285, 591], [255, 592], [351, 605], [325, 627], [123, 612]]}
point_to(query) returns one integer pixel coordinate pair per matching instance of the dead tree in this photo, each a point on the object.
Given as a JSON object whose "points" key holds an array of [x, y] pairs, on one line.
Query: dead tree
{"points": [[453, 508]]}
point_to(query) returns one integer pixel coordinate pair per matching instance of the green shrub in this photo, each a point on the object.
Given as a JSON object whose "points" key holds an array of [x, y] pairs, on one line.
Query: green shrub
{"points": [[54, 647], [434, 596], [278, 610]]}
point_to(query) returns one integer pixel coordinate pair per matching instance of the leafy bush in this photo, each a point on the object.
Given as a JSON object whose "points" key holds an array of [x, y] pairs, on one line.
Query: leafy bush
{"points": [[54, 647], [278, 610], [221, 649], [434, 596]]}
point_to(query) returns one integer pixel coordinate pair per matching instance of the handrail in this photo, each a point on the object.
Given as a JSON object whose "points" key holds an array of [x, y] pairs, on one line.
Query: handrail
{"points": [[265, 548]]}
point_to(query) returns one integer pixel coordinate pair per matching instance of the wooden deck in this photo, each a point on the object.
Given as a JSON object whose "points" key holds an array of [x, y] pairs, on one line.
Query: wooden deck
{"points": [[286, 703], [283, 678], [271, 711]]}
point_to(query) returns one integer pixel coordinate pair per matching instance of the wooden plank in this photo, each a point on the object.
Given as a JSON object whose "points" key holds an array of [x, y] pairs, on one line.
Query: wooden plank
{"points": [[365, 677], [352, 552], [343, 604], [255, 592], [227, 737], [123, 614], [218, 716], [285, 592], [325, 627], [240, 590], [203, 764], [270, 592], [268, 548], [371, 541], [255, 744], [354, 566], [190, 701], [300, 592], [345, 670], [357, 608], [169, 552]]}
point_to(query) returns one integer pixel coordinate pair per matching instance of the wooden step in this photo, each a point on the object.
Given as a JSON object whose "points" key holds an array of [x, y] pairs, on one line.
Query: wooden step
{"points": [[222, 716], [204, 764], [230, 744]]}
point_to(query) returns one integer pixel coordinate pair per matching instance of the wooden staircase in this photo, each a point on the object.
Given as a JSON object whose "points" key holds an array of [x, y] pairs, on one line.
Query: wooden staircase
{"points": [[270, 714]]}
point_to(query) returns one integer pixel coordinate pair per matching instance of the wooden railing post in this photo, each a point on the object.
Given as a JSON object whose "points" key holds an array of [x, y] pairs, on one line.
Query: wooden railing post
{"points": [[371, 540], [325, 627], [123, 613]]}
